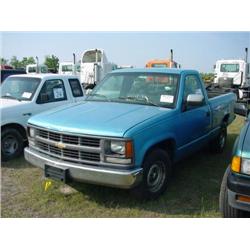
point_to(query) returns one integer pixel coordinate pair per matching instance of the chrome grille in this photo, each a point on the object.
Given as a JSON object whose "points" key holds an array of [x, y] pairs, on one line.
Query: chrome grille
{"points": [[71, 139], [73, 148]]}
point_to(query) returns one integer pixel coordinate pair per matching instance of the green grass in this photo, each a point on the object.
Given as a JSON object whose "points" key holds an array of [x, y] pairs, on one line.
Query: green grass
{"points": [[193, 191]]}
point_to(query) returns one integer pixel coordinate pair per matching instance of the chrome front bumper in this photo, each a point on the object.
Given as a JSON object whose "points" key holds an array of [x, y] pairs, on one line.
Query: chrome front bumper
{"points": [[84, 173]]}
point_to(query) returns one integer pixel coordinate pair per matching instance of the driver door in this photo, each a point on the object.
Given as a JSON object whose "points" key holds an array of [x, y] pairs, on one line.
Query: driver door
{"points": [[194, 121]]}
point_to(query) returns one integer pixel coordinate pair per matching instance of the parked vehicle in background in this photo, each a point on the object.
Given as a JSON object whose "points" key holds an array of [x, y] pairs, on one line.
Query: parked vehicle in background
{"points": [[36, 69], [235, 187], [69, 68], [94, 66], [125, 67], [234, 74], [163, 63], [4, 66], [131, 130], [25, 95], [8, 72]]}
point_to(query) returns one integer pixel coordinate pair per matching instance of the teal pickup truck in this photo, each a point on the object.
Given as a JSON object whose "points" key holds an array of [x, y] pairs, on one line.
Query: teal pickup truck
{"points": [[131, 130], [235, 186]]}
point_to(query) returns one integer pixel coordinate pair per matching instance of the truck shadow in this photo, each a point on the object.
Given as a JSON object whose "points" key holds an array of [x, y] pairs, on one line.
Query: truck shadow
{"points": [[193, 190], [17, 163]]}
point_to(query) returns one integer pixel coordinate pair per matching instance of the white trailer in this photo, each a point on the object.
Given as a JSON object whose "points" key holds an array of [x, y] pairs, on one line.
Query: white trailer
{"points": [[234, 74], [94, 66]]}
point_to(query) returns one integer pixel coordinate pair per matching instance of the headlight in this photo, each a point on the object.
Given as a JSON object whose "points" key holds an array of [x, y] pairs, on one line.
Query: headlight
{"points": [[32, 132], [118, 151], [245, 166], [117, 147]]}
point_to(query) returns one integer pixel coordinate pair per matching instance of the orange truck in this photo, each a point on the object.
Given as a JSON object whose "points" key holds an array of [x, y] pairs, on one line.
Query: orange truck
{"points": [[163, 63]]}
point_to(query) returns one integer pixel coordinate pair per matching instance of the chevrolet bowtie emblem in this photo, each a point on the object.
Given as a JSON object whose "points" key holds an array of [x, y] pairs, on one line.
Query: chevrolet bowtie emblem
{"points": [[60, 145]]}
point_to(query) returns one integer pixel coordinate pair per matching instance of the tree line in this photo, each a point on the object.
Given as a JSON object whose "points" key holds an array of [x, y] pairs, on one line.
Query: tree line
{"points": [[51, 61]]}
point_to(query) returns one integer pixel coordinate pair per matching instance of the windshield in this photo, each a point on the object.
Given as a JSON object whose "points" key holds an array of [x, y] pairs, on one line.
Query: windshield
{"points": [[229, 67], [44, 69], [21, 88], [67, 68], [78, 67], [90, 56], [153, 89], [32, 69]]}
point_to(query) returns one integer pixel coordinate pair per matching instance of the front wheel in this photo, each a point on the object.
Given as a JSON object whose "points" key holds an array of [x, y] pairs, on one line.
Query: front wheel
{"points": [[226, 210], [156, 175], [11, 144]]}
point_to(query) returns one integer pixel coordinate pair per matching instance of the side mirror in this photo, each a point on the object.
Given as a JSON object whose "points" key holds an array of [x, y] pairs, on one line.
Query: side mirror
{"points": [[195, 100], [241, 109]]}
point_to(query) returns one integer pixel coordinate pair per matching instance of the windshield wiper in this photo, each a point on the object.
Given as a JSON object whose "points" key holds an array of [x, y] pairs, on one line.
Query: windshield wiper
{"points": [[139, 98], [11, 97]]}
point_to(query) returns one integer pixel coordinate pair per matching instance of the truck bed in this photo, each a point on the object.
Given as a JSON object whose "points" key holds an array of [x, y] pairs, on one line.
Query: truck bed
{"points": [[216, 91]]}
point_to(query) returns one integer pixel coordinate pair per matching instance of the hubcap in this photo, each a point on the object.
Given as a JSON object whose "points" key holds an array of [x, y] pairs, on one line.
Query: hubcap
{"points": [[9, 145], [156, 176]]}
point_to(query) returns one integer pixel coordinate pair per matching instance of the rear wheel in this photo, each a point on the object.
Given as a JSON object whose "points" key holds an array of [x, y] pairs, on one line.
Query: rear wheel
{"points": [[11, 144], [156, 175], [226, 210], [218, 144]]}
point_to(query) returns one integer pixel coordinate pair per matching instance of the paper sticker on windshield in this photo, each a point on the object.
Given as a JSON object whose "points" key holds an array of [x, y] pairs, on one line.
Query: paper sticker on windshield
{"points": [[26, 95], [167, 98], [58, 93]]}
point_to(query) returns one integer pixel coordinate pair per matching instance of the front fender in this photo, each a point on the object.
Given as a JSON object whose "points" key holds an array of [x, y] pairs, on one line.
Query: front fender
{"points": [[143, 142]]}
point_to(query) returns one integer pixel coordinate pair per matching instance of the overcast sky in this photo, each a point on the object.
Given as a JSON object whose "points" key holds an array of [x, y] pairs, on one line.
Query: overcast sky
{"points": [[194, 50]]}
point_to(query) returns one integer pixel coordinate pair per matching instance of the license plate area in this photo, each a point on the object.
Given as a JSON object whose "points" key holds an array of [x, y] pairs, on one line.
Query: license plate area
{"points": [[56, 173]]}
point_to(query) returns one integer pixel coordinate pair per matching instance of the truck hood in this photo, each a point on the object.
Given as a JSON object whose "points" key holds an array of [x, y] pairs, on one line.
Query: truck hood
{"points": [[96, 118], [9, 103]]}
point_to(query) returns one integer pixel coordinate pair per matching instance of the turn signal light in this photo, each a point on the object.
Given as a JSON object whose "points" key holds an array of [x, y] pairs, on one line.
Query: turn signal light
{"points": [[235, 165], [129, 149], [243, 198]]}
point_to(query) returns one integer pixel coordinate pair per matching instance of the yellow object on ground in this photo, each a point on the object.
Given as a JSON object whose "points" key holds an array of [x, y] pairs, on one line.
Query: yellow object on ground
{"points": [[47, 185]]}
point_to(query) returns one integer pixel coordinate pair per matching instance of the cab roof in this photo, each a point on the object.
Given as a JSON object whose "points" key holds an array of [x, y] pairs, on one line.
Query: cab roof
{"points": [[43, 76], [155, 70]]}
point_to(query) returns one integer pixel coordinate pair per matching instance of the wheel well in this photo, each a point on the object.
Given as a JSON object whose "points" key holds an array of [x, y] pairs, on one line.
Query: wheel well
{"points": [[166, 145], [16, 126], [225, 119]]}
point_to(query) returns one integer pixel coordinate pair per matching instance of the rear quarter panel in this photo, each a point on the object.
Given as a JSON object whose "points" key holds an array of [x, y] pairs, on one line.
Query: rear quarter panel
{"points": [[222, 106]]}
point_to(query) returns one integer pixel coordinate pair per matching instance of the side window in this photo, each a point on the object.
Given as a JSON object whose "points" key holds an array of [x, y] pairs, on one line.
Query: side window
{"points": [[52, 91], [192, 86], [75, 87]]}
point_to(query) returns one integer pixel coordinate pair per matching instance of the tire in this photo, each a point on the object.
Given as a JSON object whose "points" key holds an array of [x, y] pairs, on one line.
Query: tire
{"points": [[226, 210], [12, 144], [156, 175], [219, 143]]}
